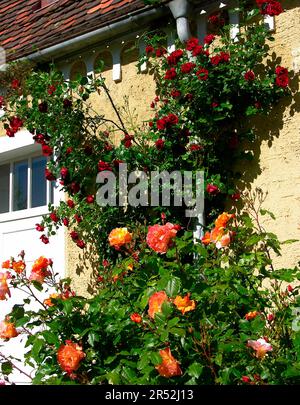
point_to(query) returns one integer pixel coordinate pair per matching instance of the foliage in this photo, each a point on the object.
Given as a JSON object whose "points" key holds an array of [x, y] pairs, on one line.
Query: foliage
{"points": [[205, 300]]}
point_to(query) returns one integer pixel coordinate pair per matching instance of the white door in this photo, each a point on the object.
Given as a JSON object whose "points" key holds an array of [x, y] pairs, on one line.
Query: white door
{"points": [[24, 197]]}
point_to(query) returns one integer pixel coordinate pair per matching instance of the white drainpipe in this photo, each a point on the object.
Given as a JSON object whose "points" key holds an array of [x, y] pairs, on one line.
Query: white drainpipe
{"points": [[180, 11]]}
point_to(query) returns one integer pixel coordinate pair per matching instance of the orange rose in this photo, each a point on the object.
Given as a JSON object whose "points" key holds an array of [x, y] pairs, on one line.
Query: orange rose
{"points": [[184, 304], [7, 330], [136, 318], [40, 269], [159, 237], [119, 237], [155, 303], [19, 266], [69, 356], [49, 302], [223, 219], [169, 366], [6, 264], [251, 315], [4, 290], [206, 238]]}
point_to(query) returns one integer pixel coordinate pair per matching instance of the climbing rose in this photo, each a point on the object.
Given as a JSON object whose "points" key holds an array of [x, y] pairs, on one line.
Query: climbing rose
{"points": [[4, 290], [161, 124], [47, 150], [160, 52], [269, 7], [202, 74], [39, 227], [172, 119], [119, 237], [245, 379], [249, 76], [282, 79], [49, 175], [170, 74], [71, 203], [15, 84], [175, 93], [184, 304], [212, 189], [187, 67], [149, 49], [223, 219], [44, 239], [208, 39], [136, 318], [53, 217], [19, 266], [40, 269], [159, 144], [65, 221], [191, 44], [155, 303], [7, 330], [102, 166], [251, 315], [261, 346], [81, 244], [90, 199], [51, 90], [159, 237], [69, 356], [169, 367], [194, 147], [174, 57], [290, 288]]}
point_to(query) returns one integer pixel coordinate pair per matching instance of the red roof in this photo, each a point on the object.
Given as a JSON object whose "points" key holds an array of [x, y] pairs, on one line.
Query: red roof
{"points": [[25, 27]]}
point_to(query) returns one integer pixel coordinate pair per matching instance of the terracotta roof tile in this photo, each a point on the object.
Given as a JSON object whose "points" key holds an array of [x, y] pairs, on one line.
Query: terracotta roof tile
{"points": [[26, 28]]}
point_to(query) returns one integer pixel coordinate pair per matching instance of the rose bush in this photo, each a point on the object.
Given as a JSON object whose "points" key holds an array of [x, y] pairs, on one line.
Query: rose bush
{"points": [[166, 308]]}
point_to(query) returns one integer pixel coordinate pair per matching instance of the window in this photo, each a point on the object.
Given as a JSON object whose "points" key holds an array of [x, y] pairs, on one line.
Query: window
{"points": [[23, 185]]}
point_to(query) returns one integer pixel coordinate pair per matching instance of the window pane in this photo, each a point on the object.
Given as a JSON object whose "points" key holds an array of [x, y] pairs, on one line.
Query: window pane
{"points": [[4, 188], [20, 185], [39, 186]]}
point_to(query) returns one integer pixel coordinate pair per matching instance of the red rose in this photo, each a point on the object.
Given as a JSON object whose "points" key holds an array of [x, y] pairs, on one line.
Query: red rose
{"points": [[39, 227], [1, 101], [90, 199], [53, 217], [198, 50], [160, 52], [161, 124], [105, 263], [49, 175], [174, 57], [290, 288], [117, 162], [270, 7], [44, 239], [282, 81], [187, 67], [78, 218], [10, 132], [191, 44], [225, 56], [195, 147], [69, 150], [16, 123], [102, 166], [202, 74], [212, 189], [149, 49], [246, 379], [175, 93], [281, 71], [189, 96], [215, 60], [235, 196], [71, 203], [214, 104], [15, 84], [65, 221], [152, 105], [75, 187], [39, 138], [159, 144], [80, 243], [51, 90], [64, 172], [47, 150], [136, 318], [216, 19], [208, 39], [170, 74], [249, 76], [172, 119], [74, 235], [270, 317], [127, 140]]}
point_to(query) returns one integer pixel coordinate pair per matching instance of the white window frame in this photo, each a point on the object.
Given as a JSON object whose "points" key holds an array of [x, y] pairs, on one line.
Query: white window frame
{"points": [[12, 150]]}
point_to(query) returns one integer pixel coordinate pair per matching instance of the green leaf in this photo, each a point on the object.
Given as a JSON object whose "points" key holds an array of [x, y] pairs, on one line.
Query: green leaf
{"points": [[173, 287], [195, 370], [6, 368], [37, 285]]}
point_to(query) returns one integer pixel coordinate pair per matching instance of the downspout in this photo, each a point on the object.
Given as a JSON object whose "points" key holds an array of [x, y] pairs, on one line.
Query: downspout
{"points": [[180, 10]]}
